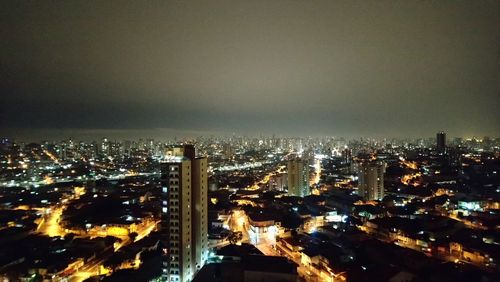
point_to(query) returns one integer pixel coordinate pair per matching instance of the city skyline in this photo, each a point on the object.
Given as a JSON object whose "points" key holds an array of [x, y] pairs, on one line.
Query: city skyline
{"points": [[294, 68], [250, 140], [172, 136]]}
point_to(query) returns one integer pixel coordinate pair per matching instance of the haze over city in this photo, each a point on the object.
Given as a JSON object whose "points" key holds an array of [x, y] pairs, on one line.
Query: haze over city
{"points": [[295, 68]]}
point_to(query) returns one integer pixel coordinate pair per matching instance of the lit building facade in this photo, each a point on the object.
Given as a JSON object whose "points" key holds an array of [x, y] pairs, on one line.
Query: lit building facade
{"points": [[298, 178], [263, 229], [184, 214], [371, 180]]}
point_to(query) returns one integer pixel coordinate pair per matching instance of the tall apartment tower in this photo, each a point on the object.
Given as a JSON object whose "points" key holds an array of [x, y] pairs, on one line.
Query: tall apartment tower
{"points": [[371, 180], [184, 184], [298, 177], [441, 142], [346, 156]]}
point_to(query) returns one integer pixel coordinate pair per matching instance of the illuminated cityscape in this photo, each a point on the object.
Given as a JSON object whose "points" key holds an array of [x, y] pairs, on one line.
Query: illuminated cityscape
{"points": [[250, 141], [151, 210]]}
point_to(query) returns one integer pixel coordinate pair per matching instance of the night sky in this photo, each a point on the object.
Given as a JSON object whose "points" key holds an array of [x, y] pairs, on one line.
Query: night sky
{"points": [[343, 68]]}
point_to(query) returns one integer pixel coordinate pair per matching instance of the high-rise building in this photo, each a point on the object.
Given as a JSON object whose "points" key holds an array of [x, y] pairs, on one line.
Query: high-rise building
{"points": [[227, 151], [346, 156], [441, 142], [184, 213], [298, 177], [277, 182], [104, 147], [199, 212], [371, 180]]}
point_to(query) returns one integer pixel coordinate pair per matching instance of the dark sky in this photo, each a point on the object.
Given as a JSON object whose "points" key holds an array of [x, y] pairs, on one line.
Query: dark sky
{"points": [[352, 68]]}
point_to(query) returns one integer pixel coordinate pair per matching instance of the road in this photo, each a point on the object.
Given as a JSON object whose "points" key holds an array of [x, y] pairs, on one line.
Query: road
{"points": [[302, 271], [50, 223], [91, 267], [145, 230], [266, 178], [50, 226], [317, 173], [437, 255], [238, 222]]}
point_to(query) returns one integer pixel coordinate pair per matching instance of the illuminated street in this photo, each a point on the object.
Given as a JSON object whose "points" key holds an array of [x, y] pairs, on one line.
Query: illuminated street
{"points": [[317, 172], [50, 223], [266, 178], [146, 230], [238, 222], [410, 179]]}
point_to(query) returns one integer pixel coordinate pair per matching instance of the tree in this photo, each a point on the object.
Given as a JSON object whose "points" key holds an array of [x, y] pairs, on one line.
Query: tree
{"points": [[234, 237]]}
